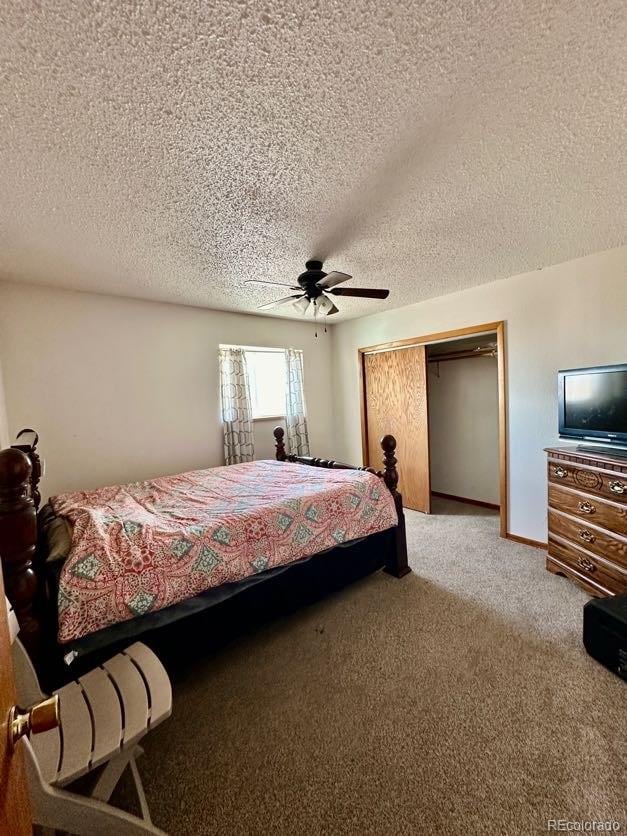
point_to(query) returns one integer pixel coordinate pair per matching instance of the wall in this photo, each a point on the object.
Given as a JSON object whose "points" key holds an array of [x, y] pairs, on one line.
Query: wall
{"points": [[4, 426], [564, 316], [120, 389], [464, 428], [264, 439]]}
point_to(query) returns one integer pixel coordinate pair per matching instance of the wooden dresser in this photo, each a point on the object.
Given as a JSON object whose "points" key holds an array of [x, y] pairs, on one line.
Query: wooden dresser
{"points": [[588, 519]]}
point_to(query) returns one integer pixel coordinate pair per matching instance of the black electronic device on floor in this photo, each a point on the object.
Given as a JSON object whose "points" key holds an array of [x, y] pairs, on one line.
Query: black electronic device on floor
{"points": [[605, 632]]}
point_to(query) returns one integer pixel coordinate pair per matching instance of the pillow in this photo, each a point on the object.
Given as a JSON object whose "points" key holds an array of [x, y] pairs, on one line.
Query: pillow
{"points": [[59, 537]]}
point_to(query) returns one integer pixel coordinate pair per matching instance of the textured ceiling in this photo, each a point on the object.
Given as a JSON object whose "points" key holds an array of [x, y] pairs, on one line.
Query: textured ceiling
{"points": [[169, 151]]}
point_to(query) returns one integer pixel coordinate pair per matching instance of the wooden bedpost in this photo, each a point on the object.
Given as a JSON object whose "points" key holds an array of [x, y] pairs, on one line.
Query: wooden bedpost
{"points": [[397, 565], [279, 434], [33, 456], [390, 473], [18, 541]]}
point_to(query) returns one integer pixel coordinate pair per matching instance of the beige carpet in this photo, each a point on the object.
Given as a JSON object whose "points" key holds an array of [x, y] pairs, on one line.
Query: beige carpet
{"points": [[458, 700]]}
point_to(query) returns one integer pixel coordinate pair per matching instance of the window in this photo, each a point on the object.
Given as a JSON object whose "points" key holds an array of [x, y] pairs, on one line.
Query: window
{"points": [[266, 378]]}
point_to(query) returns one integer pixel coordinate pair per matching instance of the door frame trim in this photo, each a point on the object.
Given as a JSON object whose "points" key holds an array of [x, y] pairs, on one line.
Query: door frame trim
{"points": [[442, 336]]}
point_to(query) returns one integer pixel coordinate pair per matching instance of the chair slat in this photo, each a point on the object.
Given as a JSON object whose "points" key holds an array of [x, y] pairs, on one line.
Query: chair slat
{"points": [[157, 681], [106, 714], [76, 727], [47, 747], [134, 697]]}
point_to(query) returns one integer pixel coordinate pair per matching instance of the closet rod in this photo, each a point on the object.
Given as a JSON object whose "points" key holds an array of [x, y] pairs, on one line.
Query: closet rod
{"points": [[462, 355]]}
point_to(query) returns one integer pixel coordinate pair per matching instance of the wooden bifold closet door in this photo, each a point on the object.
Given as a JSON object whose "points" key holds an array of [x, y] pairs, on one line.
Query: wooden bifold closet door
{"points": [[395, 402]]}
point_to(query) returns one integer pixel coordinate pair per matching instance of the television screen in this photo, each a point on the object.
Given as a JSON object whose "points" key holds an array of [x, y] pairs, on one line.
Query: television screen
{"points": [[596, 401]]}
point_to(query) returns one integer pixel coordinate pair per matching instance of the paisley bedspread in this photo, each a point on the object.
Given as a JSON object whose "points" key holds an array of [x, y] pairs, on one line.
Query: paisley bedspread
{"points": [[141, 547]]}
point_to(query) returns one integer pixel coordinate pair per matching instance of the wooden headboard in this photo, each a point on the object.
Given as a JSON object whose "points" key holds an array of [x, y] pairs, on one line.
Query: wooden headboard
{"points": [[20, 472]]}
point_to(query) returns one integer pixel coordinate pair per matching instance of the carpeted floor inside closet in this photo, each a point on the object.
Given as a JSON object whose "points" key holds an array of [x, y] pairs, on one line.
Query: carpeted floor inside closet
{"points": [[458, 700]]}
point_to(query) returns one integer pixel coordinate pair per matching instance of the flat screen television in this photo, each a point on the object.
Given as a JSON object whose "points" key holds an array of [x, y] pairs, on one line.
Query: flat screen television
{"points": [[593, 404]]}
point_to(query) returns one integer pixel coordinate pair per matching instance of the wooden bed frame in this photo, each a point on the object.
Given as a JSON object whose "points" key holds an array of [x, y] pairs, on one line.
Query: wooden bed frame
{"points": [[23, 546]]}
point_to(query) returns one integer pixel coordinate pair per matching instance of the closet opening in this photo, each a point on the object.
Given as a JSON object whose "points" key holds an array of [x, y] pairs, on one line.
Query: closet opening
{"points": [[443, 396], [463, 414]]}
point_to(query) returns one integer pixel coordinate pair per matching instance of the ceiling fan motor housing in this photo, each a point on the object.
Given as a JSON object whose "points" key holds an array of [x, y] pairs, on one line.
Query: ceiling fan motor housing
{"points": [[310, 278]]}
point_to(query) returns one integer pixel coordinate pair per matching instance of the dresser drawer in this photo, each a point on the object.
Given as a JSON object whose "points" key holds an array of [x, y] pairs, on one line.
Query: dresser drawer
{"points": [[609, 515], [584, 534], [591, 480], [588, 566]]}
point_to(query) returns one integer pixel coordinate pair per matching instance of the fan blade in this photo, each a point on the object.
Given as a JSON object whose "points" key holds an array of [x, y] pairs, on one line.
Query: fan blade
{"points": [[364, 292], [278, 302], [331, 279], [442, 130], [332, 310], [274, 284]]}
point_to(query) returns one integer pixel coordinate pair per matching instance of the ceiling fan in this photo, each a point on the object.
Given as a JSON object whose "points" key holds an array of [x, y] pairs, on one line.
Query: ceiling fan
{"points": [[315, 286]]}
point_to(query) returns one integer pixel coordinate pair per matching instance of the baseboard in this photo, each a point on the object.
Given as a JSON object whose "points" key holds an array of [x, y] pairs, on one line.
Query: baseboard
{"points": [[465, 499], [527, 542]]}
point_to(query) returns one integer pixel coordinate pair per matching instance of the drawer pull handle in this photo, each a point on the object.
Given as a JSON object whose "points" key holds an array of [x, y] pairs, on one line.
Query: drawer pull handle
{"points": [[618, 487], [586, 564], [560, 472], [586, 507], [588, 536]]}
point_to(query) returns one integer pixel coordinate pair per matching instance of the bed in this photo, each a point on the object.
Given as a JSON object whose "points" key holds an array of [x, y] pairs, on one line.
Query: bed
{"points": [[142, 556]]}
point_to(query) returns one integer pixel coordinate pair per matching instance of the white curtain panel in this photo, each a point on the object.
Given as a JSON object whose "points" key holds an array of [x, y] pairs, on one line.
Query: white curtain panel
{"points": [[295, 410], [237, 415]]}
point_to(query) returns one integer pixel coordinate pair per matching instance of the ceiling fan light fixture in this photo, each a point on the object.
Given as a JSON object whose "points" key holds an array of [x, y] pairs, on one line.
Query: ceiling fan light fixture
{"points": [[324, 304], [302, 304]]}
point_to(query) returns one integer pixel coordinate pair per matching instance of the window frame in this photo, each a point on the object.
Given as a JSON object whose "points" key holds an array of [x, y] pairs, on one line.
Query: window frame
{"points": [[248, 350]]}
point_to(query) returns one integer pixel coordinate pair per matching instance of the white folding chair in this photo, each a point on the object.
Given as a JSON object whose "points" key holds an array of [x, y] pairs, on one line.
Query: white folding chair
{"points": [[103, 715]]}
